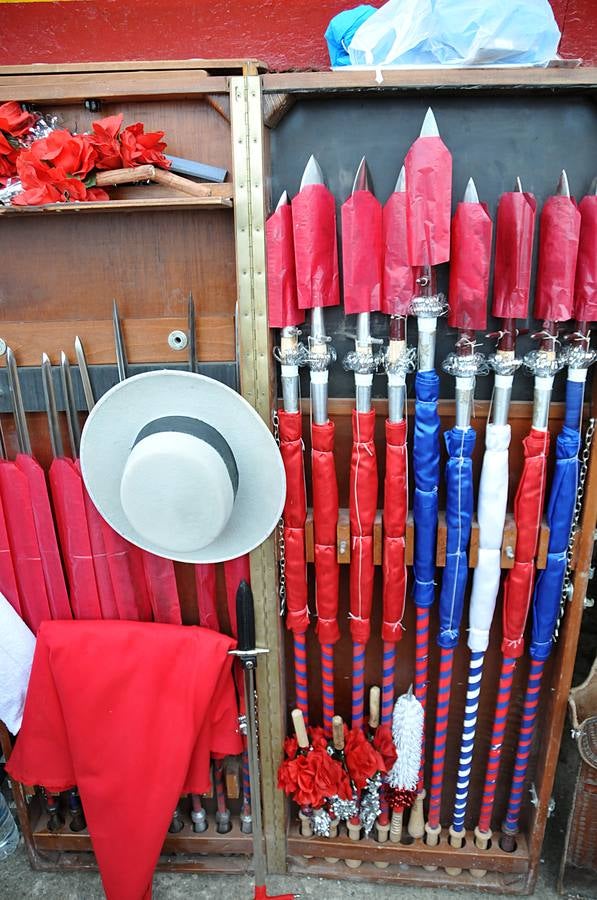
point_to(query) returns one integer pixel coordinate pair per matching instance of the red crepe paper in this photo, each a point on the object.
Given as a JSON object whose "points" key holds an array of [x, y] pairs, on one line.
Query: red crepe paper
{"points": [[8, 581], [428, 167], [383, 742], [361, 253], [162, 591], [469, 267], [363, 505], [528, 511], [99, 694], [8, 160], [325, 522], [315, 247], [558, 249], [103, 579], [282, 302], [585, 287], [363, 761], [312, 776], [398, 281], [14, 121], [128, 577], [513, 254], [394, 523], [295, 514]]}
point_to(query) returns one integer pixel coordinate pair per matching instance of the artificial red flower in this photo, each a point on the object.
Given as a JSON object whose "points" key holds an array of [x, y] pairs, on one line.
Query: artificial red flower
{"points": [[312, 778], [45, 183], [14, 120], [105, 142], [73, 153], [399, 798], [139, 149], [362, 760], [384, 744], [290, 747], [318, 738], [8, 160]]}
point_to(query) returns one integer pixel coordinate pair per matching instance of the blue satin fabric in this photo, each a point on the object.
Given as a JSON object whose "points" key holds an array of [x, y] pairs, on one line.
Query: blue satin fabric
{"points": [[426, 470], [459, 514], [575, 392], [560, 512]]}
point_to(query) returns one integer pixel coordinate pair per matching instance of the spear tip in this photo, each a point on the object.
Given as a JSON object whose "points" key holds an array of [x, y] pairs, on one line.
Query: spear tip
{"points": [[563, 188], [470, 194], [361, 179], [429, 127], [593, 188], [283, 201], [401, 182], [45, 359], [312, 173], [63, 359], [518, 185]]}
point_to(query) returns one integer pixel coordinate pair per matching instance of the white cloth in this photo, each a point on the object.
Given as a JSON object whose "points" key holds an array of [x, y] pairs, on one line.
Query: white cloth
{"points": [[491, 515], [17, 645]]}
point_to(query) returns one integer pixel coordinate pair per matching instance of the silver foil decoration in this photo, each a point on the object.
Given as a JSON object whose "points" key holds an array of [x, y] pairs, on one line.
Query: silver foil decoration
{"points": [[321, 821], [370, 806], [343, 809]]}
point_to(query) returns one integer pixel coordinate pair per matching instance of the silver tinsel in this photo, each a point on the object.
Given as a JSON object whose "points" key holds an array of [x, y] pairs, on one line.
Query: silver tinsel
{"points": [[321, 820], [343, 809], [370, 806]]}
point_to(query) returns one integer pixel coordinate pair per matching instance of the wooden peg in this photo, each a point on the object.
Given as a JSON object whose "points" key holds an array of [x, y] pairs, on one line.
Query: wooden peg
{"points": [[299, 729], [374, 702], [338, 733]]}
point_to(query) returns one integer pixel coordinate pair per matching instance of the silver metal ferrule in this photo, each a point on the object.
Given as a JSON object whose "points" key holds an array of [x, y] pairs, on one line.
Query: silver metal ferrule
{"points": [[502, 395], [398, 360], [246, 824], [320, 356], [199, 820], [426, 343], [465, 391], [541, 401], [290, 354], [363, 362], [465, 368]]}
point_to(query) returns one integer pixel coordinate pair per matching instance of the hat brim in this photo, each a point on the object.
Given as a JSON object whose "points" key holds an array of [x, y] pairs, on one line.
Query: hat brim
{"points": [[118, 417]]}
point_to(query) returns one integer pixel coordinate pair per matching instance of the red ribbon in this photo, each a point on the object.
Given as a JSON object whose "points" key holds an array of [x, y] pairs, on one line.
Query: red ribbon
{"points": [[363, 506], [428, 167], [585, 289], [558, 249], [469, 267], [315, 247], [325, 523], [361, 253], [398, 276], [394, 522], [513, 254], [282, 303], [295, 514]]}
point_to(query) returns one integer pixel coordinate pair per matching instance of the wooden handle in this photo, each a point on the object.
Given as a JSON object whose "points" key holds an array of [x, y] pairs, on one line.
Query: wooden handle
{"points": [[338, 733], [184, 185], [300, 729], [396, 826], [374, 701], [125, 176], [416, 822]]}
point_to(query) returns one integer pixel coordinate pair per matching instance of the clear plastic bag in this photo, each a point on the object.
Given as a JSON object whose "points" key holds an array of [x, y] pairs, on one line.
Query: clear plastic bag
{"points": [[457, 33]]}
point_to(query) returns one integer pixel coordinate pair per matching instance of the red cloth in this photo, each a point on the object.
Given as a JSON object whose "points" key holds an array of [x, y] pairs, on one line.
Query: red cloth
{"points": [[528, 511], [295, 514], [315, 247], [513, 255], [205, 586], [363, 506], [469, 267], [394, 540], [398, 277], [126, 710], [325, 525], [361, 253], [282, 302], [428, 166], [162, 590], [585, 286], [558, 249]]}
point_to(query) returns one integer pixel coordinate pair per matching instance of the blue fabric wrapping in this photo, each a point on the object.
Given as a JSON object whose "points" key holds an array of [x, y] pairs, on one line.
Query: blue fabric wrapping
{"points": [[341, 30], [560, 512], [426, 469], [459, 515]]}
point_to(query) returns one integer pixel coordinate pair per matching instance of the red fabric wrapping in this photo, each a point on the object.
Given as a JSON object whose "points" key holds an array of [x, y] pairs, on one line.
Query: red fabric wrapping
{"points": [[585, 286], [99, 693], [398, 277], [8, 581], [67, 490], [128, 577], [558, 249], [315, 247], [295, 514], [282, 303], [428, 166], [363, 505], [205, 586], [469, 267], [394, 521], [103, 579], [46, 537], [528, 511], [361, 253], [325, 524], [513, 255], [162, 591]]}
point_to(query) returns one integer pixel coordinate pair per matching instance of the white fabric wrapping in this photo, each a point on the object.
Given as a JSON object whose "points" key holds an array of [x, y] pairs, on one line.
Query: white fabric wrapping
{"points": [[491, 515], [17, 644]]}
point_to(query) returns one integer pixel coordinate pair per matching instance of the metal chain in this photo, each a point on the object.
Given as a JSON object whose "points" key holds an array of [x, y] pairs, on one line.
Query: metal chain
{"points": [[568, 587], [280, 541]]}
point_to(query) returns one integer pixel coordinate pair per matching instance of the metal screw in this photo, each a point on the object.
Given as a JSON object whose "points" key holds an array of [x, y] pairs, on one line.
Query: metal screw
{"points": [[178, 340], [93, 105], [509, 551], [588, 603]]}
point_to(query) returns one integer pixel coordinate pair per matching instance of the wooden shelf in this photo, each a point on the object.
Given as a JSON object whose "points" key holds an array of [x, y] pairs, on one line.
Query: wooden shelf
{"points": [[157, 203]]}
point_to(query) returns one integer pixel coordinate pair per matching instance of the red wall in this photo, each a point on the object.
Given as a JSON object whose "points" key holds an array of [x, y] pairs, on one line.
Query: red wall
{"points": [[286, 34]]}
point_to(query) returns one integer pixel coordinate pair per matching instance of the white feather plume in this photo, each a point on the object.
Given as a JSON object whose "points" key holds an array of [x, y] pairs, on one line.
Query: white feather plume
{"points": [[407, 731]]}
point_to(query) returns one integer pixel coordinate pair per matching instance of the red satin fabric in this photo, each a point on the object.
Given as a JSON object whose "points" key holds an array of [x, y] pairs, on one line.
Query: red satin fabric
{"points": [[295, 514], [558, 249], [361, 253], [99, 694], [528, 511], [585, 286], [398, 277], [315, 247], [363, 505], [469, 267], [428, 166], [325, 523], [282, 303], [394, 523], [513, 255]]}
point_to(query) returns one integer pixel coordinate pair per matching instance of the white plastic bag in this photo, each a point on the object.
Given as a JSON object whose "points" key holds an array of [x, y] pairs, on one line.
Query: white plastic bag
{"points": [[457, 33]]}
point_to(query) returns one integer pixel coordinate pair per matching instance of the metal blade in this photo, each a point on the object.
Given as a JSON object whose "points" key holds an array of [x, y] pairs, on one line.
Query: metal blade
{"points": [[362, 181], [593, 188], [191, 330], [401, 182], [18, 408], [121, 361], [429, 127], [51, 409], [470, 194], [72, 419], [283, 201], [563, 188], [312, 174], [518, 185], [84, 372]]}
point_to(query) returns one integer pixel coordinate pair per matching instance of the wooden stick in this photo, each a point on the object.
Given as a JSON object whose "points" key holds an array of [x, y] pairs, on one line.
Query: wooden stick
{"points": [[184, 185], [125, 176], [338, 732], [374, 700], [299, 729]]}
